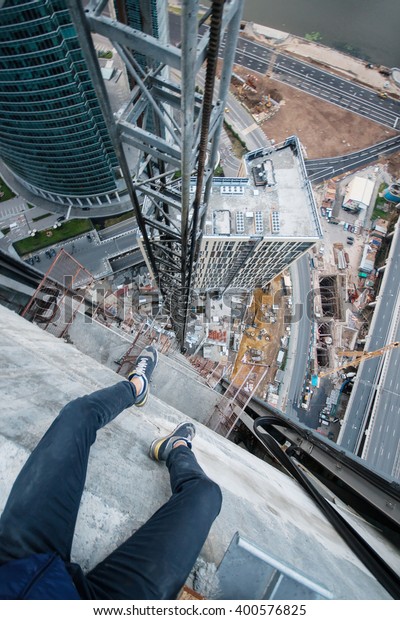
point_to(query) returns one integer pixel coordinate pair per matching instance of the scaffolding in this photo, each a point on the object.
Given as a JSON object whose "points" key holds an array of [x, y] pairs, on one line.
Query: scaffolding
{"points": [[213, 372], [148, 332], [229, 409], [59, 295]]}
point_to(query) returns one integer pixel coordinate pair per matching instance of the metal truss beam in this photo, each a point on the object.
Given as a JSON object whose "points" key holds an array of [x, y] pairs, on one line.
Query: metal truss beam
{"points": [[174, 129], [162, 146], [134, 39]]}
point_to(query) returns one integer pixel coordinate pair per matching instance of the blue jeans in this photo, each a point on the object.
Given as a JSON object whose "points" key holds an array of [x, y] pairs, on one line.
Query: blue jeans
{"points": [[42, 508]]}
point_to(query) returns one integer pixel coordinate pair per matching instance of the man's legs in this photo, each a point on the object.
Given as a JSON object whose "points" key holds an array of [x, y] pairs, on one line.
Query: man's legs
{"points": [[42, 508], [156, 560], [41, 511]]}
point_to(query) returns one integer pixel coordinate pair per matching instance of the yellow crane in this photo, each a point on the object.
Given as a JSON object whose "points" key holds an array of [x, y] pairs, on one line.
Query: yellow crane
{"points": [[358, 357]]}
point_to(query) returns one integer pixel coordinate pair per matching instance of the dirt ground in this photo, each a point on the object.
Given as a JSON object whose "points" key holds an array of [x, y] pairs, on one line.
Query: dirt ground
{"points": [[394, 165], [324, 129]]}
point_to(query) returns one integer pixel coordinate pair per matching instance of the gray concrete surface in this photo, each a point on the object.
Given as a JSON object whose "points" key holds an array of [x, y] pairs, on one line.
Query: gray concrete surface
{"points": [[40, 374], [106, 345]]}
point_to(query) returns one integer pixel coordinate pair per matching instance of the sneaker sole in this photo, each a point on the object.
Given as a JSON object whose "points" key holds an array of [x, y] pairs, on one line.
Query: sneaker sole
{"points": [[156, 444], [144, 401]]}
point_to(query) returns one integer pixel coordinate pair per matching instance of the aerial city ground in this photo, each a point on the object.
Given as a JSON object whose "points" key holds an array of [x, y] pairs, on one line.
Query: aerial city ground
{"points": [[295, 327]]}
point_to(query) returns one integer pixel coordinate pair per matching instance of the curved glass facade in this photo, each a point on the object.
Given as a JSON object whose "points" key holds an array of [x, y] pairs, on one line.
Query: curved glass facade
{"points": [[52, 132]]}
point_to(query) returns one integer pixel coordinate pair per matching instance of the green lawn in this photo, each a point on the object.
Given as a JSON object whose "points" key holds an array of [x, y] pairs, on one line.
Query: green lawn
{"points": [[41, 217], [380, 201], [5, 192], [104, 222], [107, 54], [41, 240], [238, 145], [219, 171], [378, 213]]}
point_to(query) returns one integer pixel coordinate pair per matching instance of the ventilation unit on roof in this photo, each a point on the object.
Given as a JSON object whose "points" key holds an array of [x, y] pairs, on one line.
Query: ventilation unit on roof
{"points": [[259, 223], [232, 189], [275, 223], [240, 222]]}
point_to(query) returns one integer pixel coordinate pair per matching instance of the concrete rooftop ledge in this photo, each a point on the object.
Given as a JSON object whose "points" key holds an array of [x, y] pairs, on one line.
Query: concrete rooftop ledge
{"points": [[124, 487]]}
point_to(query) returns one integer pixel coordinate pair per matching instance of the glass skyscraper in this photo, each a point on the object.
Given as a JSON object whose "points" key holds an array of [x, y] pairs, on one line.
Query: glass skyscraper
{"points": [[53, 137], [149, 16]]}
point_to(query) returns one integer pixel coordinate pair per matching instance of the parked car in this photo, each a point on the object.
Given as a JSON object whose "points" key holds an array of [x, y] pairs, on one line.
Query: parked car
{"points": [[52, 252], [349, 242], [350, 238], [37, 258], [61, 218], [30, 260]]}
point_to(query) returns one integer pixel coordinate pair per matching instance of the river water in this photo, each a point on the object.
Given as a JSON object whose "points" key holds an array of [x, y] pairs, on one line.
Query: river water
{"points": [[370, 27]]}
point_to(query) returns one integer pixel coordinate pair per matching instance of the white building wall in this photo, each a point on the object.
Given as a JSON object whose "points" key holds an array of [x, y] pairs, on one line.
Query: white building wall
{"points": [[245, 262]]}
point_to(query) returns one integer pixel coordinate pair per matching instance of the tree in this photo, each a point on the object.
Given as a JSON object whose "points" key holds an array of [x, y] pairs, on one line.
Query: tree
{"points": [[313, 36]]}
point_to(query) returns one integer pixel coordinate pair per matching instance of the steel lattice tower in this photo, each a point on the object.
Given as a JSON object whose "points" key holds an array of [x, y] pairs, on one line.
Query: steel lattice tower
{"points": [[175, 126]]}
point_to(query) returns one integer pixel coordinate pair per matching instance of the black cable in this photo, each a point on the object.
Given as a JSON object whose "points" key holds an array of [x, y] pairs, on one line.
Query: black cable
{"points": [[370, 558]]}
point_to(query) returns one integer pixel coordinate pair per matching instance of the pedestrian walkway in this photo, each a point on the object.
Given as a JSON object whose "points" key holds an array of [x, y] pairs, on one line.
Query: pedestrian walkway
{"points": [[249, 129], [11, 207]]}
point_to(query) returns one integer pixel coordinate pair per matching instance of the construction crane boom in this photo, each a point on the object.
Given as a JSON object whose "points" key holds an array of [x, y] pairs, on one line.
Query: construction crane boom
{"points": [[360, 356]]}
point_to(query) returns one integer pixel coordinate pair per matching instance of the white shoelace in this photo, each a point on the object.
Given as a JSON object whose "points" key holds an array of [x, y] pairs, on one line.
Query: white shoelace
{"points": [[141, 367]]}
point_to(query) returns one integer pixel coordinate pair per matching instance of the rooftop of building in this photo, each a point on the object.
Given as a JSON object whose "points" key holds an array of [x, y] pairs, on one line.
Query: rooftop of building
{"points": [[273, 200], [360, 189]]}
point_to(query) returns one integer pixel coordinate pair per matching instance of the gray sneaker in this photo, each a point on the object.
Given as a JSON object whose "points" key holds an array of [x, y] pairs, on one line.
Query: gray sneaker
{"points": [[145, 365], [161, 448]]}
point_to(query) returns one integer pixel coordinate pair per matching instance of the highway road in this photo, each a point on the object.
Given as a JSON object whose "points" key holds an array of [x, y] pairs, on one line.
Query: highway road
{"points": [[343, 93], [299, 349], [383, 449], [243, 123], [326, 168], [376, 389], [346, 94], [133, 259], [125, 227], [322, 84]]}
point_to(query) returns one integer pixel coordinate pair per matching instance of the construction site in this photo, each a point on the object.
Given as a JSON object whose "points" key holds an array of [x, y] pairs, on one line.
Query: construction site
{"points": [[265, 333]]}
